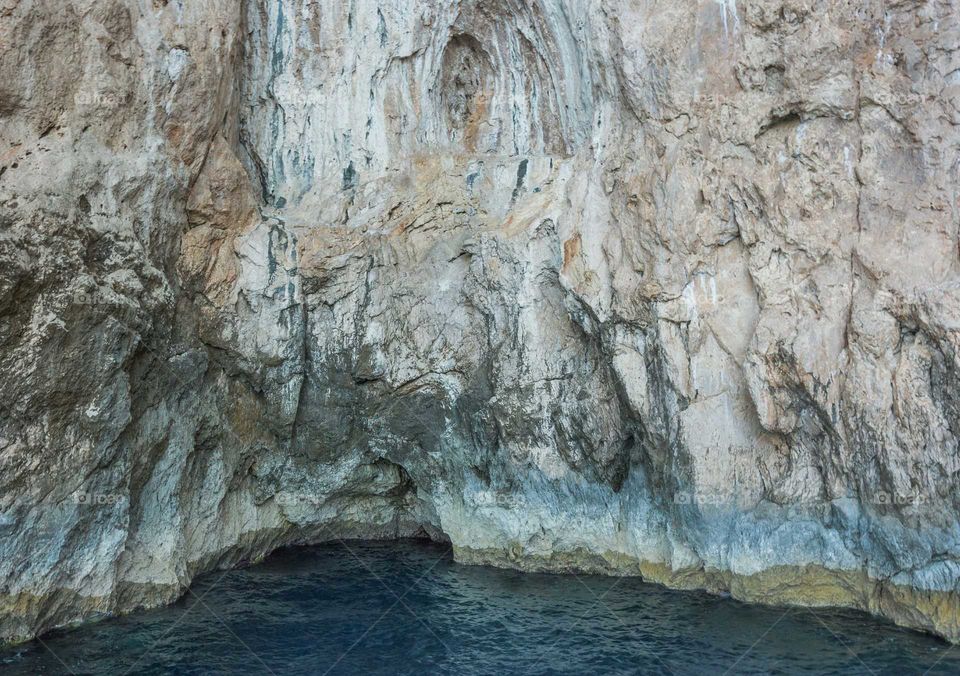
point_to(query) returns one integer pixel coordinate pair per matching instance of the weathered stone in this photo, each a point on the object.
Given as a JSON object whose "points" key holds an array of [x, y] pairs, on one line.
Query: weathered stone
{"points": [[667, 289]]}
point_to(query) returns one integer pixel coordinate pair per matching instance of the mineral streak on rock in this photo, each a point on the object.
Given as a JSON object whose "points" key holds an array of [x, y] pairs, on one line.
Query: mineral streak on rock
{"points": [[636, 287]]}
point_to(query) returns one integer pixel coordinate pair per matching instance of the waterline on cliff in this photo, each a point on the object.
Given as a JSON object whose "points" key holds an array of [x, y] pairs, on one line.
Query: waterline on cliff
{"points": [[406, 607]]}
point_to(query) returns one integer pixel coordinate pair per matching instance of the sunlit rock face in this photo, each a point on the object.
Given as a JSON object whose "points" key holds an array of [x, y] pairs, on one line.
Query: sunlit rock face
{"points": [[624, 286]]}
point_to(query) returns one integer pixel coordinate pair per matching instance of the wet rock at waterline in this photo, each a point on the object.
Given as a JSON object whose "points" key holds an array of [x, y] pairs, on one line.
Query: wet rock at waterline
{"points": [[665, 289]]}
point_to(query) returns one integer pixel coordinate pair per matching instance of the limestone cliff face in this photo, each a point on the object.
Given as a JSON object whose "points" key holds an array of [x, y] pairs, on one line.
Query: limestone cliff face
{"points": [[639, 287]]}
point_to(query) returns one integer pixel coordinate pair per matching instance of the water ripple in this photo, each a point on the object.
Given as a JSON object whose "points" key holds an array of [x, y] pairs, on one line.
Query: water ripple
{"points": [[406, 608]]}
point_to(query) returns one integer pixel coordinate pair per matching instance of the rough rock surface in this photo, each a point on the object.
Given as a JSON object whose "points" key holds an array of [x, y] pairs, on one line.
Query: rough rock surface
{"points": [[632, 286]]}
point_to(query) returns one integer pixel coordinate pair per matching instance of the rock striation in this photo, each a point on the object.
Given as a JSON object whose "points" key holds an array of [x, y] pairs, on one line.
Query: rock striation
{"points": [[625, 286]]}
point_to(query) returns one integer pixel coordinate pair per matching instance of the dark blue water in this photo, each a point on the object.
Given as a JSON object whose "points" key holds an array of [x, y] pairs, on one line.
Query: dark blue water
{"points": [[406, 608]]}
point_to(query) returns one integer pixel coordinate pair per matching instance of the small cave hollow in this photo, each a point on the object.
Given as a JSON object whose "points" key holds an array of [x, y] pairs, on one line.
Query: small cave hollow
{"points": [[467, 89]]}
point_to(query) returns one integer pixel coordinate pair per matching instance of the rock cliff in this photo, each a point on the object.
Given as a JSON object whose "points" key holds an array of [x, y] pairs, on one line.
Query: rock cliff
{"points": [[650, 287]]}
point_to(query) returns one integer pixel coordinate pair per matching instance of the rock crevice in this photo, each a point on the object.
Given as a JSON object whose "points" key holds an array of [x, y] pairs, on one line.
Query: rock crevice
{"points": [[627, 287]]}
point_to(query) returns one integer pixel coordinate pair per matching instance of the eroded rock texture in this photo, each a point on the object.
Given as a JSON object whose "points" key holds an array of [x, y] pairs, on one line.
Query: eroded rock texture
{"points": [[640, 287]]}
